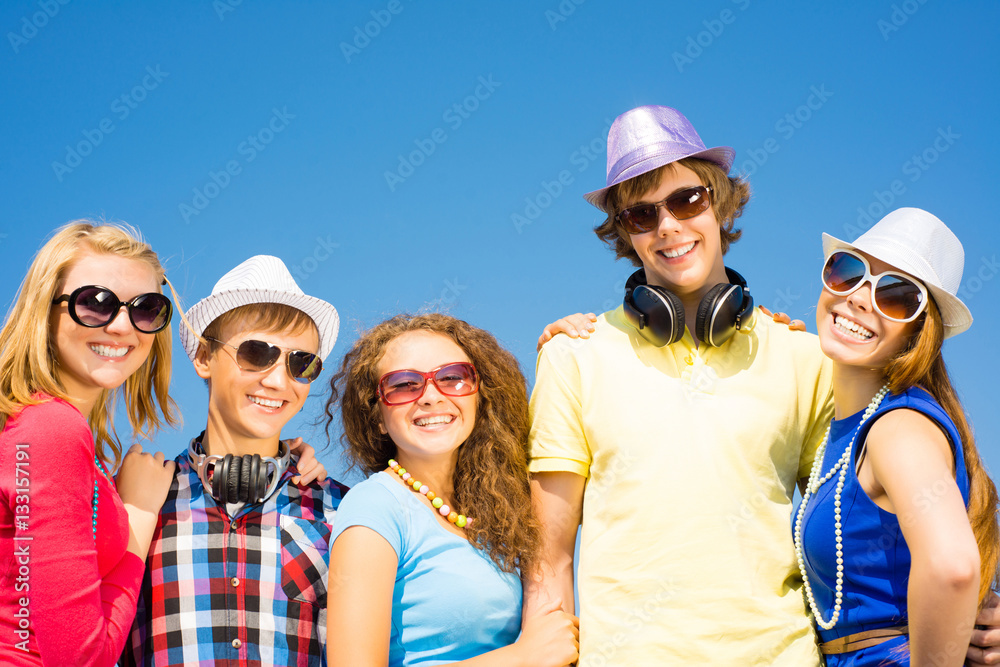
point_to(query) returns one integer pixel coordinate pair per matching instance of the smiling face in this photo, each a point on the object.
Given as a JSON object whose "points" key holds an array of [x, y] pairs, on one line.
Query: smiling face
{"points": [[684, 256], [852, 333], [434, 425], [93, 359], [248, 409]]}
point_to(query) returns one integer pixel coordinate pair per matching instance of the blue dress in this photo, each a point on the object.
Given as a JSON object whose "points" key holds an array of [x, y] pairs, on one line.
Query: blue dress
{"points": [[876, 557], [450, 602]]}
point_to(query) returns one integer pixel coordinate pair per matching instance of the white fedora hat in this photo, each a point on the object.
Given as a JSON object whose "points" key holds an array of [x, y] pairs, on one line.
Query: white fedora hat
{"points": [[920, 245], [260, 279]]}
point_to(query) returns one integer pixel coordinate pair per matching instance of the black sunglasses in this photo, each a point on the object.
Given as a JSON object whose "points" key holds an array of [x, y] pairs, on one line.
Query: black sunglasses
{"points": [[683, 204], [94, 306], [257, 356]]}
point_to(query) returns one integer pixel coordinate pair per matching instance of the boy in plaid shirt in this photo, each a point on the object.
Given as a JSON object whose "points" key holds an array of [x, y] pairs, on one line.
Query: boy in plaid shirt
{"points": [[237, 570]]}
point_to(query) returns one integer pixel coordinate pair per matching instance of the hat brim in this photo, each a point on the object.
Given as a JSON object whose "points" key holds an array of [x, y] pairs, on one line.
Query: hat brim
{"points": [[720, 155], [203, 313], [955, 315]]}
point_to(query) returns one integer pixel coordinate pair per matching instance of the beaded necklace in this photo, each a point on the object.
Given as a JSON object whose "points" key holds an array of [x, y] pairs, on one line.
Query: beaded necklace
{"points": [[811, 488], [100, 466], [459, 520]]}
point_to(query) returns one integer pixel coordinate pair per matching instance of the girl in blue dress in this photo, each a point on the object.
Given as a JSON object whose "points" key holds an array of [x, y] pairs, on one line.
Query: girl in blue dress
{"points": [[426, 553], [896, 535]]}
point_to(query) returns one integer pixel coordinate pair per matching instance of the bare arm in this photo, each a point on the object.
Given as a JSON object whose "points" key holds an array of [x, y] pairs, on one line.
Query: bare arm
{"points": [[143, 483], [359, 613], [912, 461], [359, 599], [558, 501]]}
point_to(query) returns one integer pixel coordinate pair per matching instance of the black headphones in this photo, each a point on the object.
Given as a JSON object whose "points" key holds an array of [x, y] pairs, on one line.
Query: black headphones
{"points": [[658, 314], [239, 479]]}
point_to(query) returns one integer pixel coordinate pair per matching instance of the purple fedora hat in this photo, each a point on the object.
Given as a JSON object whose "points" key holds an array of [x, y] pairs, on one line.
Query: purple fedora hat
{"points": [[648, 137]]}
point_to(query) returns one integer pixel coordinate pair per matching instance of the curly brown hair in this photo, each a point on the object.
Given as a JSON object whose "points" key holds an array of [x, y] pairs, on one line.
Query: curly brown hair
{"points": [[730, 195], [491, 474]]}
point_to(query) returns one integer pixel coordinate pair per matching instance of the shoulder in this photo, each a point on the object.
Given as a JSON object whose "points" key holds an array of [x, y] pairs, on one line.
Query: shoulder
{"points": [[51, 411], [903, 423], [776, 333], [51, 422], [611, 332], [376, 505], [374, 492]]}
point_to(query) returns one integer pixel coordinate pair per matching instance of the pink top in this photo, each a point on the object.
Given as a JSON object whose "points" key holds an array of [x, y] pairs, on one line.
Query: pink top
{"points": [[63, 599]]}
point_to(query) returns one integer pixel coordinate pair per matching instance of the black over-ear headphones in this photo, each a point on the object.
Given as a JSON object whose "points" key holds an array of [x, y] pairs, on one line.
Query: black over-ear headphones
{"points": [[239, 479], [658, 314]]}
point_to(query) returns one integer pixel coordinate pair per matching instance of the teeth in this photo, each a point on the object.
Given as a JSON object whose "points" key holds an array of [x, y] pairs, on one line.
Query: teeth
{"points": [[427, 421], [677, 252], [265, 402], [852, 328], [109, 351]]}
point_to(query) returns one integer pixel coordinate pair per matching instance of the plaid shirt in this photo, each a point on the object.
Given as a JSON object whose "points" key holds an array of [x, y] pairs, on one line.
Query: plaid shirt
{"points": [[247, 591]]}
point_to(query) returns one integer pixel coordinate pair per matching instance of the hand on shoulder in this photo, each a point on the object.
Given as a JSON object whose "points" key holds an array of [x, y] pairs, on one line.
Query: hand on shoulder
{"points": [[578, 325]]}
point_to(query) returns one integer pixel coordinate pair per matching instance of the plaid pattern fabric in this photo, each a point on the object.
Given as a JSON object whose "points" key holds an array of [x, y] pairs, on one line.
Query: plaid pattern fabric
{"points": [[246, 591]]}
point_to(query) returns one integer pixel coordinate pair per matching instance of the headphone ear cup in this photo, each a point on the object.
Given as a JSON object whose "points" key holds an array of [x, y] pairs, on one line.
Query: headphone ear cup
{"points": [[258, 479], [233, 480], [220, 477], [244, 494], [664, 314], [717, 313]]}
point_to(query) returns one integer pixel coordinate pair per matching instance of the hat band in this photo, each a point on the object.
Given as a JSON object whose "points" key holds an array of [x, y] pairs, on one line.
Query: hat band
{"points": [[643, 154]]}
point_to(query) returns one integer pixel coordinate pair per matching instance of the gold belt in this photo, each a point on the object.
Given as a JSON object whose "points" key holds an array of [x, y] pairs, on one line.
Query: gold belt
{"points": [[860, 640]]}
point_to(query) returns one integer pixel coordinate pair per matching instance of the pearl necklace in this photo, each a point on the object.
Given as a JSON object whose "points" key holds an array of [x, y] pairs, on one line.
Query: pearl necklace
{"points": [[100, 466], [459, 520], [811, 488]]}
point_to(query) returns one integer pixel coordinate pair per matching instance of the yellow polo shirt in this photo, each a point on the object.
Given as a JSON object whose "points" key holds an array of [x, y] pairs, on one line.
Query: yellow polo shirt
{"points": [[691, 457]]}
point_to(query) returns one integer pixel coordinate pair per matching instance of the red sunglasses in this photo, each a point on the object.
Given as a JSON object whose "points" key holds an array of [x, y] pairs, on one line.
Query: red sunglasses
{"points": [[406, 386]]}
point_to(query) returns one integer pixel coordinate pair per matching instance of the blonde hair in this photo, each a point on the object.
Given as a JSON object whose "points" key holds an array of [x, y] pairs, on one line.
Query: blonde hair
{"points": [[921, 364], [27, 365]]}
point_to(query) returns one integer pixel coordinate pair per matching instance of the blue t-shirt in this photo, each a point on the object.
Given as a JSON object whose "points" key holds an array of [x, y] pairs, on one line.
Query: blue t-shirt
{"points": [[876, 557], [450, 602]]}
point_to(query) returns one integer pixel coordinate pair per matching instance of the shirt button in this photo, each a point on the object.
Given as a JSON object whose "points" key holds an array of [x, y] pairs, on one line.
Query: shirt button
{"points": [[232, 526], [235, 582], [237, 643]]}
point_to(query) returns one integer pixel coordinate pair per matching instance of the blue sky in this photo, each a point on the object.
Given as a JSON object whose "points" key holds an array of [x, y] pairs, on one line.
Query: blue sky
{"points": [[404, 156]]}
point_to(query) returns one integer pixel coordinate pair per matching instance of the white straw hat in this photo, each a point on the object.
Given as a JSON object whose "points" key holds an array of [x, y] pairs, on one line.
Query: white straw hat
{"points": [[260, 279], [920, 245]]}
